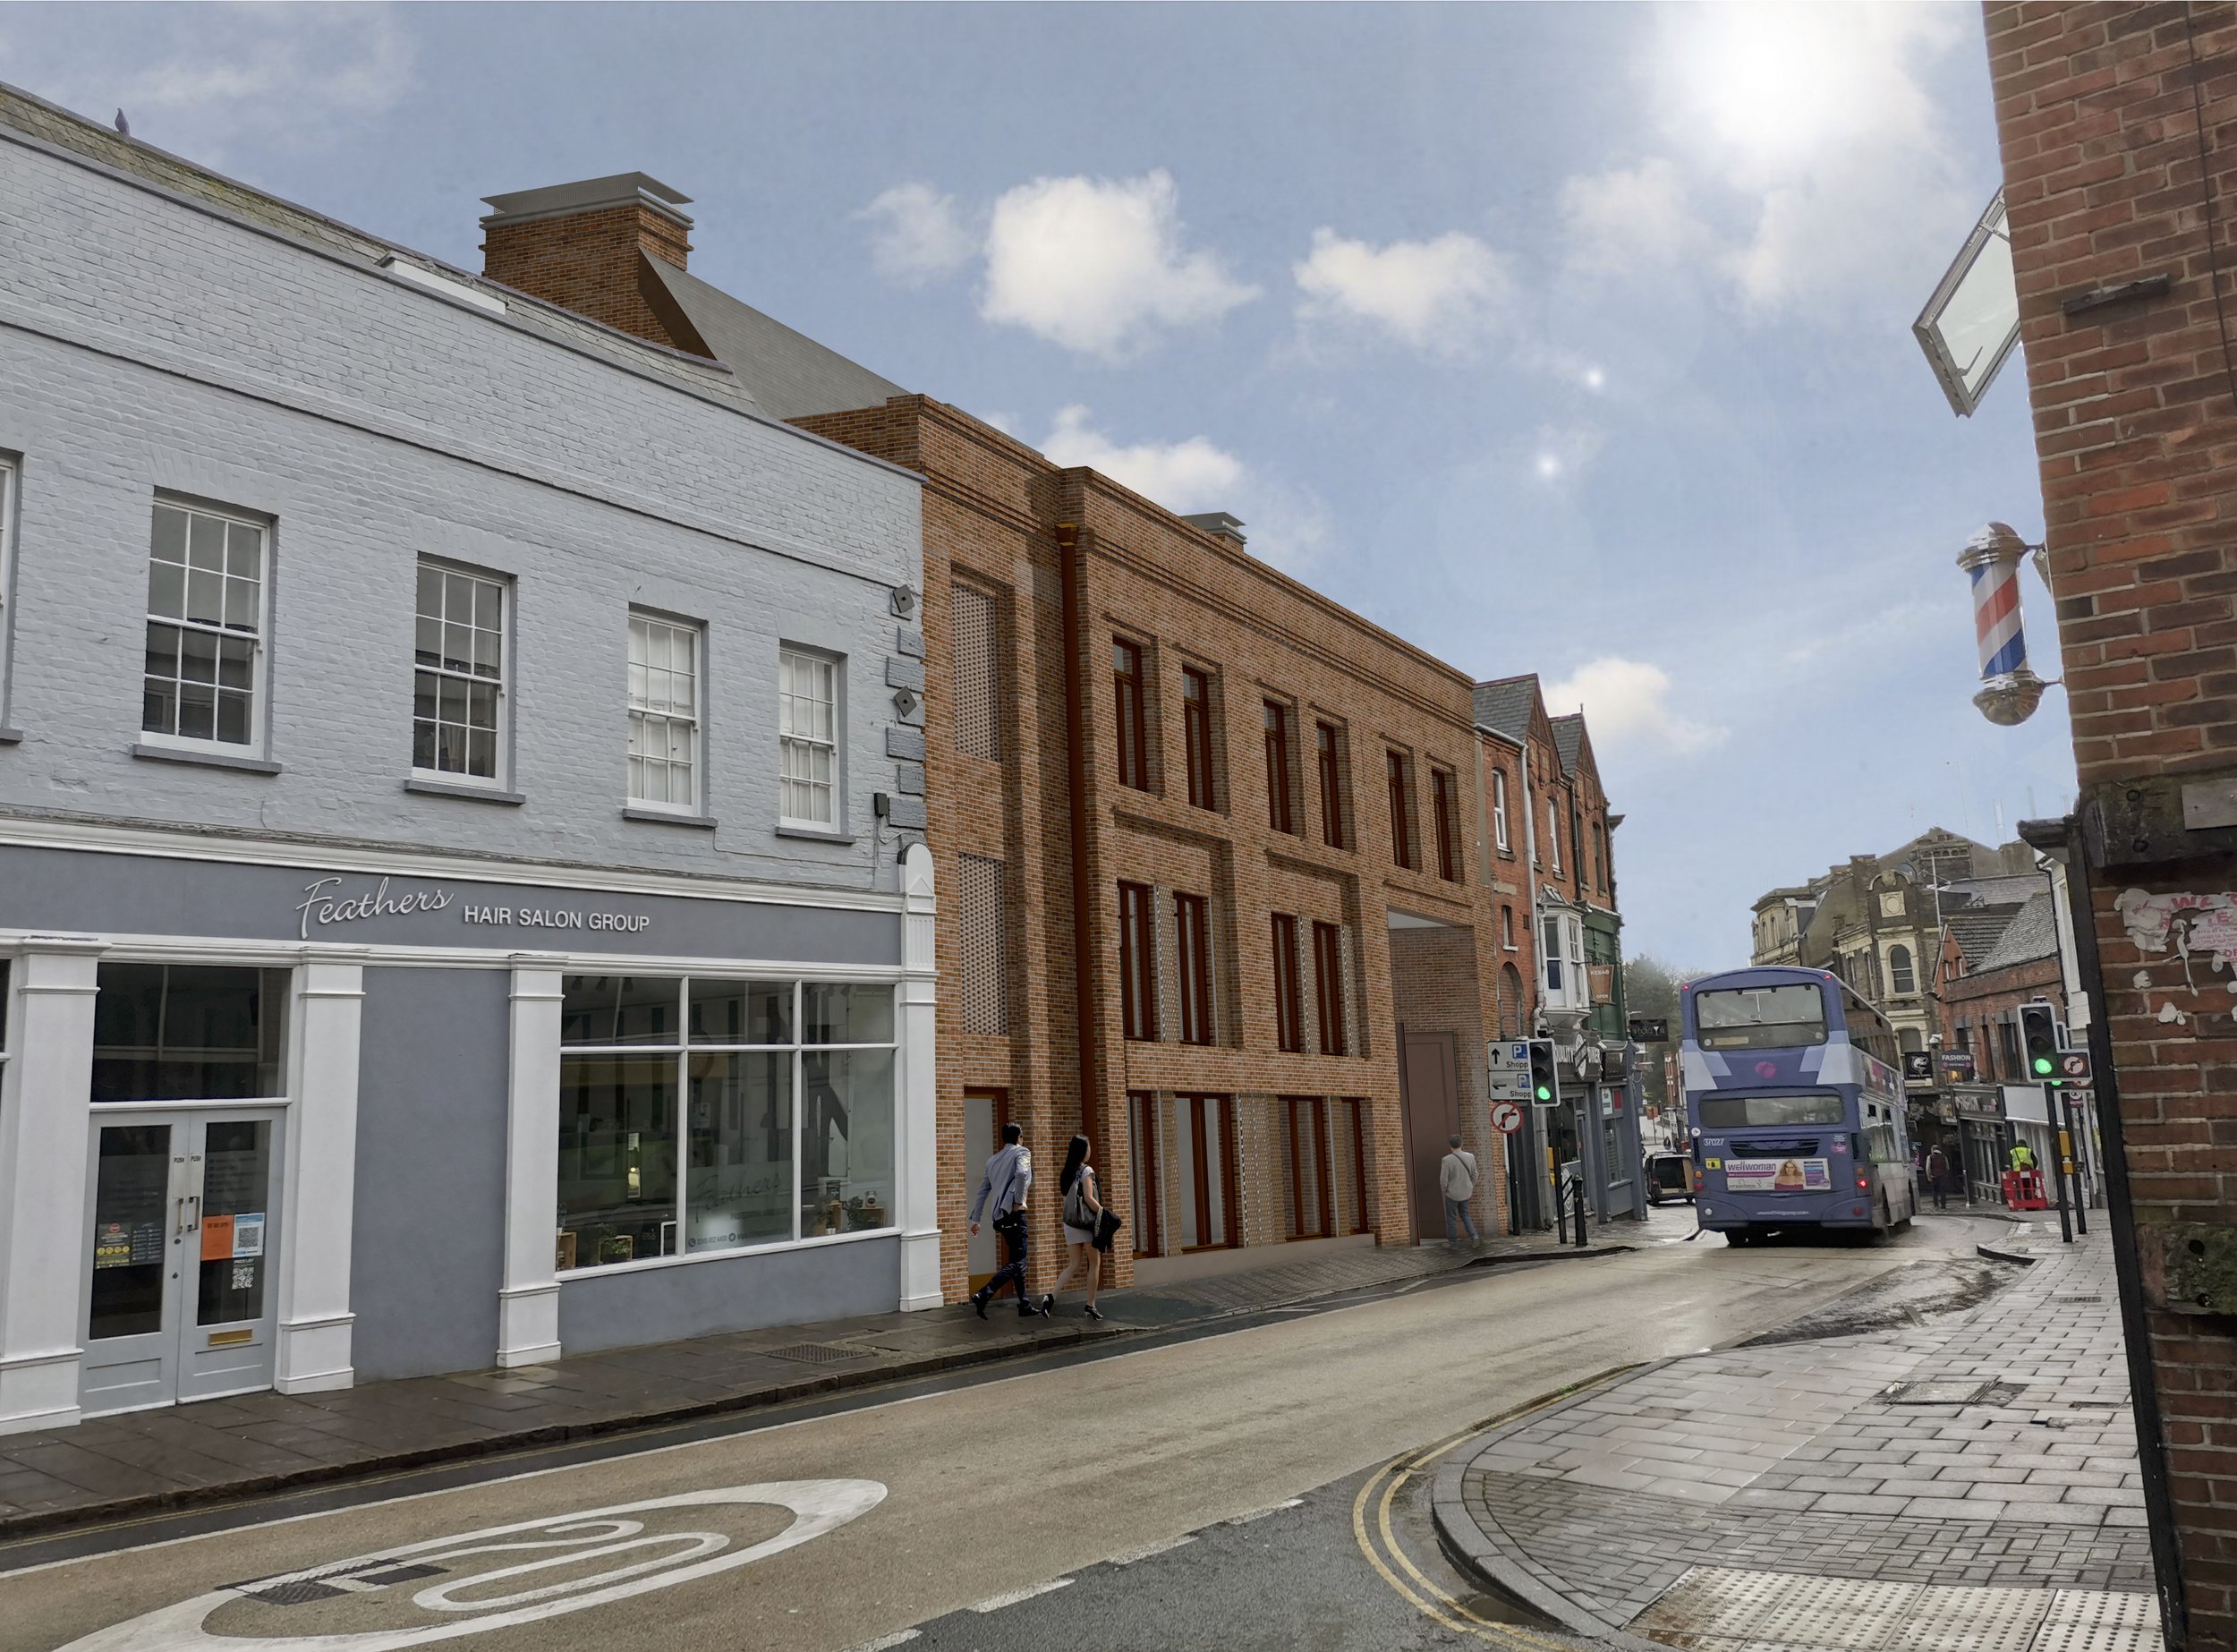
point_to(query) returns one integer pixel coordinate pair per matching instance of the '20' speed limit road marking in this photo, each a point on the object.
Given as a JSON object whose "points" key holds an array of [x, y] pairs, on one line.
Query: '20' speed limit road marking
{"points": [[649, 1547]]}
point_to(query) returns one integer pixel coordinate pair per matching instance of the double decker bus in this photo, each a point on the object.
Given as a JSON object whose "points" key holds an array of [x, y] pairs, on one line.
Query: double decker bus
{"points": [[1794, 1104]]}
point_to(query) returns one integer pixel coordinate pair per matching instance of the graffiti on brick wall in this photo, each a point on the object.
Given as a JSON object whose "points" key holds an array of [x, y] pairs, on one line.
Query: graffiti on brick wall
{"points": [[2200, 929]]}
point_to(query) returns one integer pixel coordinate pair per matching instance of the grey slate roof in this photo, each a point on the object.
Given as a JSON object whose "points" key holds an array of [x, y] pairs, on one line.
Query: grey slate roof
{"points": [[788, 373], [2032, 934], [1505, 705], [2014, 892], [1568, 738], [1977, 929]]}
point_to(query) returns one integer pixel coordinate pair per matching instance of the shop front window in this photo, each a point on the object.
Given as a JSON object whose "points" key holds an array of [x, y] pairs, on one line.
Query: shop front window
{"points": [[703, 1115], [189, 1032]]}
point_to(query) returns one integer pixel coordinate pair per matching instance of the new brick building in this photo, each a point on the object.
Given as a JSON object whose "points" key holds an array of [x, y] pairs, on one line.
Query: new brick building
{"points": [[1237, 883], [2119, 132]]}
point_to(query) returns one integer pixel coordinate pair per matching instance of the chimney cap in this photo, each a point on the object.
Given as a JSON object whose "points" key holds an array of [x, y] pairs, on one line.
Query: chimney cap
{"points": [[622, 189], [1218, 523]]}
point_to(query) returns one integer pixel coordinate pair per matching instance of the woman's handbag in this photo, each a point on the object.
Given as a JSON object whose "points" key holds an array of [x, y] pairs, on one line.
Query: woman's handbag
{"points": [[1106, 1228], [1076, 1214]]}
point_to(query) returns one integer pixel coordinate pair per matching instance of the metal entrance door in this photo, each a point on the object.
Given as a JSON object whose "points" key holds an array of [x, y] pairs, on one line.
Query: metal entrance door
{"points": [[1429, 1086], [179, 1291]]}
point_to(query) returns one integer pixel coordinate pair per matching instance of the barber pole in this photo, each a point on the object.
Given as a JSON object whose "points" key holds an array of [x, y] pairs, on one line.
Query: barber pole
{"points": [[2010, 692]]}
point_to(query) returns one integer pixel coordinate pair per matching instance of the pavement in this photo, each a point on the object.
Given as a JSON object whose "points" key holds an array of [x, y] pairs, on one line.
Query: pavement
{"points": [[1968, 1484], [250, 1445]]}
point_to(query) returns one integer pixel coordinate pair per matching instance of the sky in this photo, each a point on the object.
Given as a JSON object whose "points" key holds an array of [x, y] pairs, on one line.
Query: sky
{"points": [[1572, 339]]}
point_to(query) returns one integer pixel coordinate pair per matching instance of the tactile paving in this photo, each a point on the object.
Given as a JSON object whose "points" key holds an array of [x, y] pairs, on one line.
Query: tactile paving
{"points": [[2091, 1621], [1721, 1609]]}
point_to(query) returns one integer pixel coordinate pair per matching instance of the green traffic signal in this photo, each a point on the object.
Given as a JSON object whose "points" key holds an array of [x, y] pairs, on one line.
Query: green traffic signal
{"points": [[2043, 1065]]}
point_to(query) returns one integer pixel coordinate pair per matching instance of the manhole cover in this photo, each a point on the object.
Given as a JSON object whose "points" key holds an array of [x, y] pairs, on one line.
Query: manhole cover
{"points": [[1950, 1390], [820, 1353]]}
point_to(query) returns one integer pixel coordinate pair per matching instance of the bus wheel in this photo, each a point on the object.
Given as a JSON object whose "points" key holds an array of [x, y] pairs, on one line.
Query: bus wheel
{"points": [[1739, 1235]]}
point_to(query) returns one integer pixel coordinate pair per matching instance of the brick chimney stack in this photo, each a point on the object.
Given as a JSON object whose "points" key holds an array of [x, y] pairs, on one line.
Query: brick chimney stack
{"points": [[585, 247]]}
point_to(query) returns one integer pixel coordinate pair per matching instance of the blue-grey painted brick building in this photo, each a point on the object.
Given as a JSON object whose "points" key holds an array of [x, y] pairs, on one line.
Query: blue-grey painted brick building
{"points": [[460, 893]]}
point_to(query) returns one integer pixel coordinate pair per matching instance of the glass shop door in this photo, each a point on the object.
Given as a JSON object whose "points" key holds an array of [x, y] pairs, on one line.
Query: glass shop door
{"points": [[179, 1290]]}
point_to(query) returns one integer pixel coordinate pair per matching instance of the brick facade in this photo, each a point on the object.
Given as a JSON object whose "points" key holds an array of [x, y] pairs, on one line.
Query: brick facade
{"points": [[2119, 131], [1187, 597]]}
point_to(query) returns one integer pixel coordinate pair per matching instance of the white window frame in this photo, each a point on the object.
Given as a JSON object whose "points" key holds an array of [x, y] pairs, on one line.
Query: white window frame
{"points": [[1499, 810], [500, 766], [641, 711], [1553, 832], [7, 567], [259, 652], [790, 655]]}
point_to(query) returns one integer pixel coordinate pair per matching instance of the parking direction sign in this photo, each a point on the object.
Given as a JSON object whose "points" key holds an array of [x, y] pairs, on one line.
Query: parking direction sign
{"points": [[1506, 1117]]}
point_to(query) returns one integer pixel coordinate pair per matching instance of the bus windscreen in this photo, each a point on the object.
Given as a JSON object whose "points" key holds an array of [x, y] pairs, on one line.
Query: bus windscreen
{"points": [[1760, 1017], [1739, 1112]]}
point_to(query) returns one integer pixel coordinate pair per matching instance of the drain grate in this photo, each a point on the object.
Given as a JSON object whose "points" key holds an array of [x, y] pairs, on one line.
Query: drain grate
{"points": [[2076, 1299], [331, 1585], [1941, 1391], [820, 1353]]}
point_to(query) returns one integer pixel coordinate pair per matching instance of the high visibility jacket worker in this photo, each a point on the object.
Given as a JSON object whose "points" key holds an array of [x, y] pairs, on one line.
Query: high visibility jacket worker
{"points": [[2022, 1156]]}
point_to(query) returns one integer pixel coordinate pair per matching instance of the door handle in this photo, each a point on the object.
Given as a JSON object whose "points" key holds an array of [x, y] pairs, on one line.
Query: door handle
{"points": [[178, 1219], [196, 1200]]}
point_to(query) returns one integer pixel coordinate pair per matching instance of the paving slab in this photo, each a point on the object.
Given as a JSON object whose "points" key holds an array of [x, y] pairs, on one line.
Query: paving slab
{"points": [[1978, 1500]]}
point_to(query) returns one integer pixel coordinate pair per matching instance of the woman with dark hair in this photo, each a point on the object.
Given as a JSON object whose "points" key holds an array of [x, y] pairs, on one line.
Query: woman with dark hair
{"points": [[1082, 1212]]}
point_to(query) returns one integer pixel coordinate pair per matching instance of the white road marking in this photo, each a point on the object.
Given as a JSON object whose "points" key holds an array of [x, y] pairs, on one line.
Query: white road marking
{"points": [[1016, 1594], [1151, 1549], [818, 1506], [1260, 1514]]}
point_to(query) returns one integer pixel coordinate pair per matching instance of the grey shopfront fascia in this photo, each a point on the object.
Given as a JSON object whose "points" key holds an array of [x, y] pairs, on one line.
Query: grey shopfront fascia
{"points": [[415, 1206]]}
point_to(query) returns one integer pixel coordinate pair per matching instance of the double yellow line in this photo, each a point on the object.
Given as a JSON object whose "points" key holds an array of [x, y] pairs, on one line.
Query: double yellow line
{"points": [[1380, 1544]]}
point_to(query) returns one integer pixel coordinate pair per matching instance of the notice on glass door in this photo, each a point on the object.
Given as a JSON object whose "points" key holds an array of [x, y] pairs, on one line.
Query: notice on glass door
{"points": [[217, 1239], [248, 1234]]}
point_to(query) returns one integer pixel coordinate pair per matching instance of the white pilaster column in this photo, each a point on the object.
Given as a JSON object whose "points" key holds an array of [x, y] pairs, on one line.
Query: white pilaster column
{"points": [[916, 1090], [45, 1091], [528, 1300], [313, 1350]]}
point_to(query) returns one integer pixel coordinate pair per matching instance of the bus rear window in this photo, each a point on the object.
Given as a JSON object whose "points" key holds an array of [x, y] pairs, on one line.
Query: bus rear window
{"points": [[1738, 1112], [1759, 1017]]}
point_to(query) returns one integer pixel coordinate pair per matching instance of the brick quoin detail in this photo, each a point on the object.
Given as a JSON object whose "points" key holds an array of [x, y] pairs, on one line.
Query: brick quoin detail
{"points": [[2108, 179]]}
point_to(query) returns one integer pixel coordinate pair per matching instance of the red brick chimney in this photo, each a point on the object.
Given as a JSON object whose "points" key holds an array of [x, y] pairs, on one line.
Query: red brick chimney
{"points": [[586, 247]]}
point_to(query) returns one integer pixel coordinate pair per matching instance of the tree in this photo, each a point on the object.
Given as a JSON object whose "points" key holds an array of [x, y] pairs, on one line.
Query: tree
{"points": [[1650, 993]]}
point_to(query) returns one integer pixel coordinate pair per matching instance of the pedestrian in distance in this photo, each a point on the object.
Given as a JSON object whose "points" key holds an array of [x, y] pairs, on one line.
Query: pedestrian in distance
{"points": [[1083, 1215], [1455, 1177], [2022, 1156], [1007, 1179], [1938, 1176]]}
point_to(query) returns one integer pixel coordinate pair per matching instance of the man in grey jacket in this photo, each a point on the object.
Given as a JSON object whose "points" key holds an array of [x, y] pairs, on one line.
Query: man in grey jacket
{"points": [[1456, 1179], [1008, 1178]]}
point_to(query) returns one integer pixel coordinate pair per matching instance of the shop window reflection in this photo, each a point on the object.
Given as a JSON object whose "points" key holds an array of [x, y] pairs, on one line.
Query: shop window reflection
{"points": [[187, 1033], [715, 1129]]}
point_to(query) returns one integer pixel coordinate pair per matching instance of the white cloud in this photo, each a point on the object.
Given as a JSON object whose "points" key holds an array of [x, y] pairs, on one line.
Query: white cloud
{"points": [[919, 235], [1630, 219], [1796, 150], [201, 81], [1099, 265], [1445, 296], [1184, 476], [1627, 707], [1284, 525]]}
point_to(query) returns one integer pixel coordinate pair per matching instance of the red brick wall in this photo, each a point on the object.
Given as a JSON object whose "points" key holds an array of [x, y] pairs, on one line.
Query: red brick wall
{"points": [[991, 506], [2107, 180]]}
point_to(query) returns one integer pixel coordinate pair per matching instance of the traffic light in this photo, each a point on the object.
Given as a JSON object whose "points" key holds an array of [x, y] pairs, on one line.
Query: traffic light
{"points": [[1542, 1081], [2038, 1037]]}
